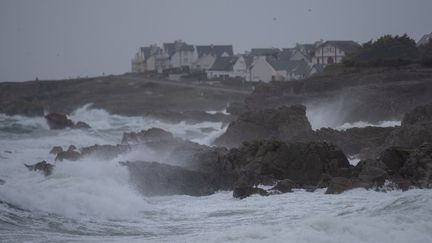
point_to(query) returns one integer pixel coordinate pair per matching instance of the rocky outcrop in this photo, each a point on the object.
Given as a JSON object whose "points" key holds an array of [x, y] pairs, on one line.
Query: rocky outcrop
{"points": [[156, 179], [283, 123], [369, 142], [303, 163], [418, 167], [284, 186], [42, 166], [70, 154], [268, 162], [56, 149], [80, 125], [404, 168], [244, 192], [236, 108], [60, 121], [419, 115], [338, 185], [394, 158], [105, 151], [145, 136], [356, 140], [416, 129]]}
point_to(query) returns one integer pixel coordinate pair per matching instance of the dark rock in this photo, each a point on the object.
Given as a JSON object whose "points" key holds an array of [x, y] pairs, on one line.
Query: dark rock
{"points": [[156, 179], [339, 185], [105, 151], [55, 150], [394, 158], [410, 136], [419, 115], [150, 135], [43, 166], [283, 123], [324, 181], [303, 163], [2, 182], [81, 125], [69, 154], [58, 121], [236, 108], [418, 167], [373, 176], [415, 130], [244, 192], [285, 186], [356, 140]]}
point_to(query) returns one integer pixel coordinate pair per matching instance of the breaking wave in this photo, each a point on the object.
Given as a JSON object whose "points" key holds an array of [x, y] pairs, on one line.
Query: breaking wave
{"points": [[91, 200]]}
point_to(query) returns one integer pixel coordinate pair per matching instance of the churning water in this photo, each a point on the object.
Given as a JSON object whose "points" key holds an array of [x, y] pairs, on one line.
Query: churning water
{"points": [[91, 200]]}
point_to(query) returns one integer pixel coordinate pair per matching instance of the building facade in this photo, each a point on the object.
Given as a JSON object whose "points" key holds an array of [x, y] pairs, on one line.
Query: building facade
{"points": [[331, 52]]}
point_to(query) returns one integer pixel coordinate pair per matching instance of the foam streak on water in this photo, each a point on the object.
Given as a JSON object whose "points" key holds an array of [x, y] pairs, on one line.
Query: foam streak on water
{"points": [[91, 200]]}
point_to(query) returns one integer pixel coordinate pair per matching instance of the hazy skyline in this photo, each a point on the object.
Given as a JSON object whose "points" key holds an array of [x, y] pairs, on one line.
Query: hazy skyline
{"points": [[54, 39]]}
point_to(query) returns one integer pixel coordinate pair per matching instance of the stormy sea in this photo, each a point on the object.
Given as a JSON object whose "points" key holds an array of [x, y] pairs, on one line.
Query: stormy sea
{"points": [[92, 199]]}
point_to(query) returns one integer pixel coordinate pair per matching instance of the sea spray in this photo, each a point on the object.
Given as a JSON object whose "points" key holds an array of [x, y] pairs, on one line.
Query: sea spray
{"points": [[91, 200]]}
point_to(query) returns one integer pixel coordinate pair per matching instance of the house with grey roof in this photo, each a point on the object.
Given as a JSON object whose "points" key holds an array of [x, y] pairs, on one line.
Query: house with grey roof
{"points": [[207, 55], [145, 59], [177, 54], [331, 52], [230, 67], [266, 69], [274, 52]]}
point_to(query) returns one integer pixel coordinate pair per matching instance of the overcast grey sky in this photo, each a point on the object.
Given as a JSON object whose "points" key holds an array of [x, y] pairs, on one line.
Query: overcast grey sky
{"points": [[63, 38]]}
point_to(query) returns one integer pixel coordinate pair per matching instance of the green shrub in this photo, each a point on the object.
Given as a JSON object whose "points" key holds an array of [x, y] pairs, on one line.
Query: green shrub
{"points": [[387, 50]]}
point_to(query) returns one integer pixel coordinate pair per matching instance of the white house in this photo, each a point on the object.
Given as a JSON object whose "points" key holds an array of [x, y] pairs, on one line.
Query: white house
{"points": [[230, 67], [268, 69], [331, 52], [176, 55], [145, 59], [207, 55], [261, 70]]}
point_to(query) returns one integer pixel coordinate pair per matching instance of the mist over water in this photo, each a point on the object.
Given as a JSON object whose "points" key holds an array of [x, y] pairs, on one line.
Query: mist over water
{"points": [[332, 114], [91, 200]]}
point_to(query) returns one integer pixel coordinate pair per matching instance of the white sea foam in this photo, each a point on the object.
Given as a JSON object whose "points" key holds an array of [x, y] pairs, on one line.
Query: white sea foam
{"points": [[91, 200], [366, 124]]}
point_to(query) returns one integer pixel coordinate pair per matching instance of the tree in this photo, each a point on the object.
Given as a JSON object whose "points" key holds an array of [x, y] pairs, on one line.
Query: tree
{"points": [[425, 52], [387, 50]]}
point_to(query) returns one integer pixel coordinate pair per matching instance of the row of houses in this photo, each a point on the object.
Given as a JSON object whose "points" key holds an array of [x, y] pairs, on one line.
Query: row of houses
{"points": [[259, 64]]}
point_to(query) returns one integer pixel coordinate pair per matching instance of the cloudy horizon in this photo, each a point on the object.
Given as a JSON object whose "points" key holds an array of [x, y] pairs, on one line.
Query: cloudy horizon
{"points": [[52, 39]]}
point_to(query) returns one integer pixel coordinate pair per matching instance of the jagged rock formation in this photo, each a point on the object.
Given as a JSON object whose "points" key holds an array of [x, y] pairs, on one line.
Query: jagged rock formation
{"points": [[60, 121], [42, 166], [144, 136], [356, 140], [283, 123], [156, 179]]}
